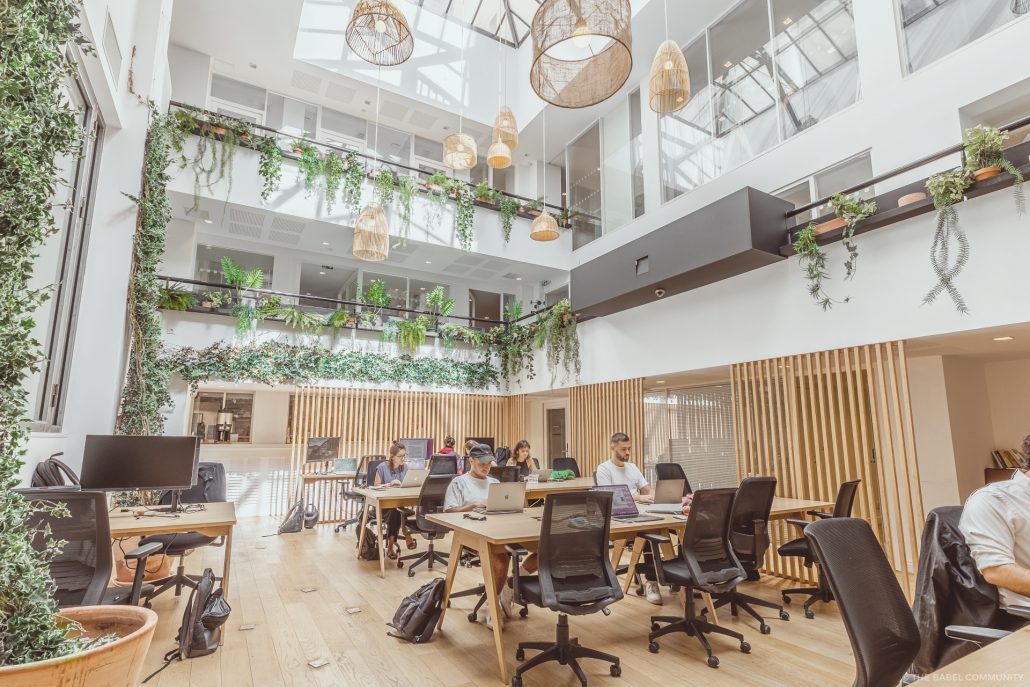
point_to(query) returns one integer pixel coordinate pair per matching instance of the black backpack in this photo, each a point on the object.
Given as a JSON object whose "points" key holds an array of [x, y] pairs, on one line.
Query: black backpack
{"points": [[53, 473], [370, 547], [201, 629], [294, 520], [418, 614]]}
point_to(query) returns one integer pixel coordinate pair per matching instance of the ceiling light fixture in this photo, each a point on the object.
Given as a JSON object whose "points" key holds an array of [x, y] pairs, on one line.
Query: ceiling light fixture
{"points": [[727, 64], [322, 273], [459, 150], [518, 278], [378, 33], [1003, 338], [660, 381], [582, 50], [429, 262], [371, 230], [787, 21], [207, 221], [325, 243], [1020, 6], [544, 227], [669, 81], [505, 135]]}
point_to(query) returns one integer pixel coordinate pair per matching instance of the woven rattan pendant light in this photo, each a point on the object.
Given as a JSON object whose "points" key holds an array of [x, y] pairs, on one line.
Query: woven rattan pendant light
{"points": [[582, 50], [1020, 6], [505, 128], [499, 154], [669, 83], [371, 231], [379, 33], [544, 227], [459, 150]]}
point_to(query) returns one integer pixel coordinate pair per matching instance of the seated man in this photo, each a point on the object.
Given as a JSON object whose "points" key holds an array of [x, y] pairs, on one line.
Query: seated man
{"points": [[996, 525], [468, 492], [617, 470]]}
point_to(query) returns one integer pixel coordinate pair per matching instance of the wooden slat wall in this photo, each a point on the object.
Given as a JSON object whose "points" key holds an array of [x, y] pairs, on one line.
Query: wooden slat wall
{"points": [[596, 411], [819, 419], [369, 420]]}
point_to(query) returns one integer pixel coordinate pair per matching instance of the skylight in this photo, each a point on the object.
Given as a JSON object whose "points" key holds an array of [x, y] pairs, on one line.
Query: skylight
{"points": [[507, 21]]}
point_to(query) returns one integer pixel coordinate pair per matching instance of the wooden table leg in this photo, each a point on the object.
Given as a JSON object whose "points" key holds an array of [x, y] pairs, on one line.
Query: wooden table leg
{"points": [[382, 540], [452, 571], [620, 546], [228, 560], [361, 532], [707, 598], [638, 549], [494, 605]]}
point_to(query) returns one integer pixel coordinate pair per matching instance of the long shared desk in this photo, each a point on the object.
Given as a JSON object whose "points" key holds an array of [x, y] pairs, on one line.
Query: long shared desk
{"points": [[493, 534]]}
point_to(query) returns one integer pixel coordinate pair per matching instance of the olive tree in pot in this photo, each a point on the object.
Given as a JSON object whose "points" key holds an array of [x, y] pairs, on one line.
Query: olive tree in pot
{"points": [[39, 644]]}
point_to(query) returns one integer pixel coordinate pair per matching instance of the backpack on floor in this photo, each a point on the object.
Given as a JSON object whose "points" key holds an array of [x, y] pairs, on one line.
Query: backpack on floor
{"points": [[294, 520], [201, 629], [370, 547], [418, 614]]}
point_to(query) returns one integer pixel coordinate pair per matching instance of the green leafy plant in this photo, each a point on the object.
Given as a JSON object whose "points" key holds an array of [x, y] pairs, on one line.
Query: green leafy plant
{"points": [[411, 334], [353, 181], [509, 208], [852, 211], [218, 137], [373, 299], [276, 362], [175, 298], [450, 334], [949, 252], [439, 180], [309, 164], [384, 186], [39, 132], [556, 334], [406, 186], [813, 263], [536, 206], [565, 216], [984, 147], [485, 194], [332, 172], [241, 281], [301, 319], [464, 216], [562, 474], [437, 183], [340, 318], [217, 299], [439, 304], [270, 164]]}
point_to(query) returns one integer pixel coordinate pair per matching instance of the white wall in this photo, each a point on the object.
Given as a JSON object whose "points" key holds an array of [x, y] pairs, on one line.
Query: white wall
{"points": [[1008, 385], [971, 430], [191, 75], [935, 451]]}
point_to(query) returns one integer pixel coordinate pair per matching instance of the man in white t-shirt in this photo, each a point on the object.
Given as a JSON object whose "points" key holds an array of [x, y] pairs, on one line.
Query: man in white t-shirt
{"points": [[617, 470]]}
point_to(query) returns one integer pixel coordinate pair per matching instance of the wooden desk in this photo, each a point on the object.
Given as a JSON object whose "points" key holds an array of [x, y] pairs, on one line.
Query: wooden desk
{"points": [[216, 520], [315, 477], [1006, 661]]}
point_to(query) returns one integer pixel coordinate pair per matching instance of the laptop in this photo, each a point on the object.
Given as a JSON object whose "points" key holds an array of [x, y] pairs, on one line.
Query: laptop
{"points": [[543, 475], [668, 496], [505, 497], [624, 508], [414, 478]]}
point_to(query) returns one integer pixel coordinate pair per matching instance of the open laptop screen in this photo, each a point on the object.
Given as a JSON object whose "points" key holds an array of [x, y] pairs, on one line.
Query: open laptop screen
{"points": [[623, 504]]}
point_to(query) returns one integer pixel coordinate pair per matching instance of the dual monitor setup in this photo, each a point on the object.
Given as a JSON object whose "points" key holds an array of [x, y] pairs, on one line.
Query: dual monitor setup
{"points": [[125, 463]]}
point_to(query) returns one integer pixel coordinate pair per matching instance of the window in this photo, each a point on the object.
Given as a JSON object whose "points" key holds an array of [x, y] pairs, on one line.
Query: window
{"points": [[208, 404], [344, 129], [389, 145], [583, 184], [935, 28], [831, 180], [396, 287], [237, 99], [636, 133], [327, 281], [417, 292], [486, 305], [686, 136], [209, 263], [692, 427], [552, 297], [292, 117], [61, 260]]}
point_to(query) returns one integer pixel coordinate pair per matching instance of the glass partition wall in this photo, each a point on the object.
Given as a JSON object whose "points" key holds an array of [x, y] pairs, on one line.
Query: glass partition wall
{"points": [[932, 29]]}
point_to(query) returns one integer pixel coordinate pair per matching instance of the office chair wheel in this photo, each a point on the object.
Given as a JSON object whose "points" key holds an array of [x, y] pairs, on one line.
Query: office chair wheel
{"points": [[745, 648], [524, 612], [615, 670], [340, 528], [411, 571], [809, 613], [764, 629], [472, 617], [713, 661], [400, 564], [786, 600], [784, 615], [520, 655], [655, 627], [652, 647], [516, 681]]}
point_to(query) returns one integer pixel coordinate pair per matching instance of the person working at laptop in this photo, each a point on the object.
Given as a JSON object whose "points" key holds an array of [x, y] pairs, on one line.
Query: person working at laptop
{"points": [[391, 474], [470, 491], [520, 458], [617, 470]]}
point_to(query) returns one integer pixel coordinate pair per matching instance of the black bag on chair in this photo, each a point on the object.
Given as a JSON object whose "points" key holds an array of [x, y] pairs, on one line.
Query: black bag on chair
{"points": [[201, 629], [53, 473], [418, 614]]}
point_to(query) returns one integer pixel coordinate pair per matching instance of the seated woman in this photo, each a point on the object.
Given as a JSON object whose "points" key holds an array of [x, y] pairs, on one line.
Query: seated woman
{"points": [[520, 458], [391, 474], [448, 444]]}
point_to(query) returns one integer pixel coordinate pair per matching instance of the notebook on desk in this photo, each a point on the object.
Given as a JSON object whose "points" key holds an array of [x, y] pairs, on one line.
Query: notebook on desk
{"points": [[624, 508]]}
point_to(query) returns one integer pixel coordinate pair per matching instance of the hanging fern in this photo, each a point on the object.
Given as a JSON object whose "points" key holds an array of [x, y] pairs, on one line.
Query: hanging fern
{"points": [[984, 147], [813, 262], [949, 252]]}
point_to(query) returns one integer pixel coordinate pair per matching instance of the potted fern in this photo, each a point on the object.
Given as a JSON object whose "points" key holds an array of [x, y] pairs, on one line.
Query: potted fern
{"points": [[985, 158], [440, 305], [374, 297], [411, 334], [950, 249], [244, 306]]}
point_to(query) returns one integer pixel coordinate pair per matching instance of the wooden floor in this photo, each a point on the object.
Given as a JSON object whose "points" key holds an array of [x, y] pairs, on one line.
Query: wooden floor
{"points": [[293, 627]]}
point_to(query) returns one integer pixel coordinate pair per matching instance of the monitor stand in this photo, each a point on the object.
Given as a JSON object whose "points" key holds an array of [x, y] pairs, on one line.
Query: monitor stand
{"points": [[174, 507]]}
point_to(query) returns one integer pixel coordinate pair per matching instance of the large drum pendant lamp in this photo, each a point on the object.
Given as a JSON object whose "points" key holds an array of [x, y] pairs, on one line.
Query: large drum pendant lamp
{"points": [[1020, 6], [379, 33], [669, 84], [582, 50], [371, 234], [460, 152]]}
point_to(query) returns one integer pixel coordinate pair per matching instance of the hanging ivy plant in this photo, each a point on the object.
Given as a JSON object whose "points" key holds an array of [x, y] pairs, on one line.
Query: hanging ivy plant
{"points": [[813, 263], [276, 363], [218, 137], [464, 215], [39, 132], [384, 186], [352, 182], [270, 165], [412, 334], [949, 252], [509, 207], [309, 164], [406, 193], [333, 171], [852, 211], [556, 334]]}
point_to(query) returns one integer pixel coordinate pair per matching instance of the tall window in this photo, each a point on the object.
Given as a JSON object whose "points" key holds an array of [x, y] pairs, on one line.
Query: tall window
{"points": [[825, 183], [60, 262], [935, 28]]}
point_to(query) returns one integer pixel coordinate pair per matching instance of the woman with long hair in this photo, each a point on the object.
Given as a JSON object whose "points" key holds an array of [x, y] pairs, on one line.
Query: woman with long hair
{"points": [[521, 459], [391, 474]]}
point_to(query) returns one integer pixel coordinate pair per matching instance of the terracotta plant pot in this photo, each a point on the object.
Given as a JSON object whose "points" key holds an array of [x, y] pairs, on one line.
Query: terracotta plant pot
{"points": [[835, 223], [158, 566], [986, 172], [910, 198], [297, 150], [117, 664]]}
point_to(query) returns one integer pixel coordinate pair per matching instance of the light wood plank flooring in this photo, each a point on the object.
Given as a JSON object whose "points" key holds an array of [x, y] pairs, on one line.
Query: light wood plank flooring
{"points": [[293, 627]]}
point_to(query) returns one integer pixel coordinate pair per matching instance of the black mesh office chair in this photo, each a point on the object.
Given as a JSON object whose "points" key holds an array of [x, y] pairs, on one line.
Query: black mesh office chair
{"points": [[364, 476], [430, 500], [508, 473], [210, 488], [565, 463], [799, 547], [575, 577], [82, 570], [706, 563], [749, 538], [443, 464], [673, 471]]}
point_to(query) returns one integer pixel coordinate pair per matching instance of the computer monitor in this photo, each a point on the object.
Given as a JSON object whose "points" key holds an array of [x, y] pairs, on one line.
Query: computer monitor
{"points": [[123, 463], [419, 451], [323, 449]]}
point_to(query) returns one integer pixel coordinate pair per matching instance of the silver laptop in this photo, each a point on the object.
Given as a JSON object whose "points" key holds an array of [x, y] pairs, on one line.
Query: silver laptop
{"points": [[414, 478], [668, 496], [506, 497], [543, 475]]}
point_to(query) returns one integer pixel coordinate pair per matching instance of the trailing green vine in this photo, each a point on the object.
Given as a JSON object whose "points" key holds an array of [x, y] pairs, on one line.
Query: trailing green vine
{"points": [[276, 363], [352, 182], [556, 334], [218, 137], [406, 193], [384, 186], [39, 132], [509, 207], [464, 215], [984, 148], [813, 262], [270, 165], [333, 171], [309, 164], [852, 211], [949, 252]]}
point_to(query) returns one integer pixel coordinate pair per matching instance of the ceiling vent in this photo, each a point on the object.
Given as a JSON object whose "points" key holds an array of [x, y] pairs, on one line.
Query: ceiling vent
{"points": [[340, 93], [239, 216], [393, 110], [422, 119], [280, 223], [306, 82], [245, 230], [283, 237], [512, 275]]}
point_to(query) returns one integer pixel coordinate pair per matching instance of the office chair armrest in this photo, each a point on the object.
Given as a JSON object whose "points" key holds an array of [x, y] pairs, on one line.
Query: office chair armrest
{"points": [[977, 635], [1021, 611], [820, 514], [655, 538], [800, 524], [141, 552], [655, 541], [517, 552]]}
